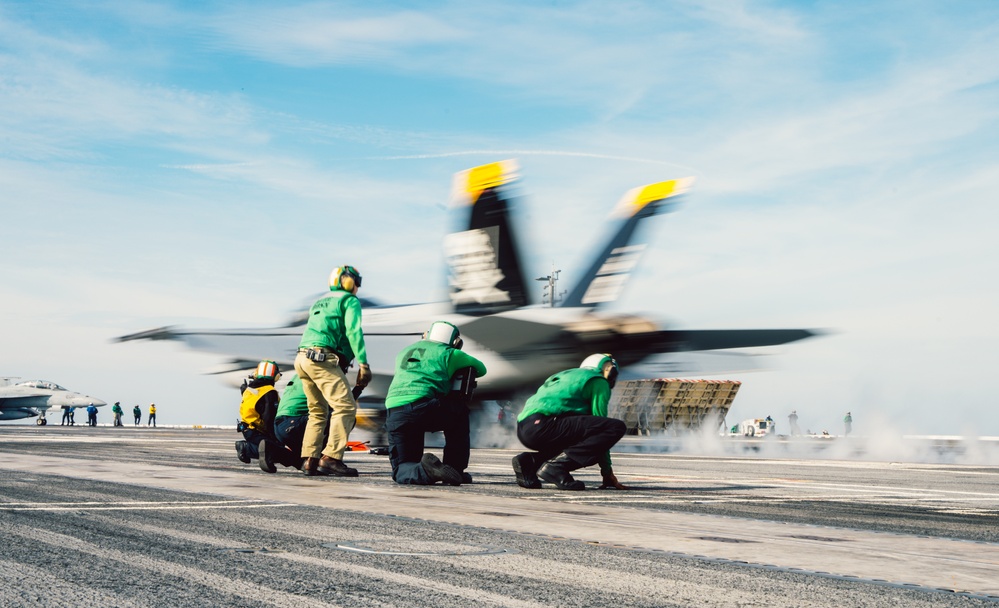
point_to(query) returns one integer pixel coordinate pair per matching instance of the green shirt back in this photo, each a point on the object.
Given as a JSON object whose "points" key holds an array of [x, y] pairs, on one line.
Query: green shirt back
{"points": [[424, 369], [293, 400], [579, 390], [335, 323]]}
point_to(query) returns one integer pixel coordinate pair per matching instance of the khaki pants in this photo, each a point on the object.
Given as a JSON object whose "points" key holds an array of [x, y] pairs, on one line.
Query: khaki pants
{"points": [[328, 392]]}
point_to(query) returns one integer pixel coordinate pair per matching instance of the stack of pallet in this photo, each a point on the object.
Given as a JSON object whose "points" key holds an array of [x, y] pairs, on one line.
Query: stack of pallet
{"points": [[672, 405]]}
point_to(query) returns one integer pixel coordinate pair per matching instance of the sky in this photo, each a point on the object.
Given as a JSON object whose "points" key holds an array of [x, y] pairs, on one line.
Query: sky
{"points": [[207, 164]]}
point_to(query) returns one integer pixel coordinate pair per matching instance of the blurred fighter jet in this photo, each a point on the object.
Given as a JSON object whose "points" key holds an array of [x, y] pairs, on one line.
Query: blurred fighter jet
{"points": [[35, 397], [521, 344]]}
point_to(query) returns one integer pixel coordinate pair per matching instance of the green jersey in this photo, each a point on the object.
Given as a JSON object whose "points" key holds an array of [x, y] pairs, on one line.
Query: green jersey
{"points": [[424, 370], [293, 401], [335, 323], [576, 391]]}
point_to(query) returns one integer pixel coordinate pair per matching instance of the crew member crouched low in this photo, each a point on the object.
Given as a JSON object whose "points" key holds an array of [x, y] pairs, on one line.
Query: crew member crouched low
{"points": [[419, 402], [257, 411], [566, 422]]}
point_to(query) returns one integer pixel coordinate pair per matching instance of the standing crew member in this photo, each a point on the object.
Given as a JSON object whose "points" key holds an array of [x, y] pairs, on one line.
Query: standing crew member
{"points": [[257, 410], [137, 412], [92, 415], [792, 420], [152, 415], [332, 338], [65, 414], [417, 403], [566, 422], [116, 410]]}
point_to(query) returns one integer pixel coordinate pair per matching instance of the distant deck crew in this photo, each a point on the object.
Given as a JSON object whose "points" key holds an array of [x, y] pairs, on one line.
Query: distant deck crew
{"points": [[137, 413], [152, 415], [331, 340], [792, 421], [65, 415], [419, 401], [566, 422], [117, 411]]}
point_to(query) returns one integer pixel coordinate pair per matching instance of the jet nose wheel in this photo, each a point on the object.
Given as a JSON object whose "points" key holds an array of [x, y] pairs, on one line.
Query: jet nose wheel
{"points": [[41, 422]]}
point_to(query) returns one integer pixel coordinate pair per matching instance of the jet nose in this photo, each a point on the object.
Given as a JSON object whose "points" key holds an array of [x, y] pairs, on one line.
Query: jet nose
{"points": [[79, 400]]}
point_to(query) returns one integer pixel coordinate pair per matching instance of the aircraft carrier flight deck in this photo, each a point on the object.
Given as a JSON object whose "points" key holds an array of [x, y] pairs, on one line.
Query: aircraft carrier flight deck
{"points": [[169, 517]]}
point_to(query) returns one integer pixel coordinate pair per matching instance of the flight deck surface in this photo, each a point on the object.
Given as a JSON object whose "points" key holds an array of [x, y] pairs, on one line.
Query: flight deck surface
{"points": [[138, 516]]}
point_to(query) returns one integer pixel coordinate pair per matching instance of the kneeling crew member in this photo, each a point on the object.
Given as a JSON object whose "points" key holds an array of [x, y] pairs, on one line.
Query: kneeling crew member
{"points": [[292, 417], [331, 339], [256, 411], [417, 402], [566, 422]]}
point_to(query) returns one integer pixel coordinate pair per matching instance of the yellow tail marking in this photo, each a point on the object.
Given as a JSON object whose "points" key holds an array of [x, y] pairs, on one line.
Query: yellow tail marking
{"points": [[483, 177]]}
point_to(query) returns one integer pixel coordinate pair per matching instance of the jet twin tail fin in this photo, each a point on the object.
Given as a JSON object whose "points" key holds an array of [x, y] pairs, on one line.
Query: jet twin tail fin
{"points": [[605, 278], [484, 269]]}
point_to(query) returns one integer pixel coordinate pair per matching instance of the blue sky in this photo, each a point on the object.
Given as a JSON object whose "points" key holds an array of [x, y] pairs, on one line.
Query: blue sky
{"points": [[175, 163]]}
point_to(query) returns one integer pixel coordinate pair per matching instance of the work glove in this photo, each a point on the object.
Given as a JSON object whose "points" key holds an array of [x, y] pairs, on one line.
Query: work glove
{"points": [[610, 481], [363, 375]]}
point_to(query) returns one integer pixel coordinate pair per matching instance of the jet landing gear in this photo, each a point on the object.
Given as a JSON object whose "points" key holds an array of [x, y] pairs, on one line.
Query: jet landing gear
{"points": [[41, 421]]}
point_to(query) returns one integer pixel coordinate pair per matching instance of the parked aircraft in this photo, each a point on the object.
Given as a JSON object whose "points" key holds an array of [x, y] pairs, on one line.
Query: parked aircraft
{"points": [[36, 397], [521, 344]]}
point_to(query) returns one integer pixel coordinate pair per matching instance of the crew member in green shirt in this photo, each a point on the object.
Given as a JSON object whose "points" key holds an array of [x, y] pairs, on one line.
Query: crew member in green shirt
{"points": [[331, 340], [292, 416], [566, 422], [417, 403]]}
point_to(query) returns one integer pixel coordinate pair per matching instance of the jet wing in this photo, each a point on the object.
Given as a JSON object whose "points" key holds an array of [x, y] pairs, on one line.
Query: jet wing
{"points": [[279, 343], [718, 339], [504, 335]]}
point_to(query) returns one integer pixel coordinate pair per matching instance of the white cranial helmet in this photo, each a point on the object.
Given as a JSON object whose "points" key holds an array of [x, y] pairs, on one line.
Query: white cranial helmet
{"points": [[443, 332]]}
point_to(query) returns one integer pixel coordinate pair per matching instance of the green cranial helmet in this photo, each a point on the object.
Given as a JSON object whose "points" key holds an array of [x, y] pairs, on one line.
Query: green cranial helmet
{"points": [[603, 363]]}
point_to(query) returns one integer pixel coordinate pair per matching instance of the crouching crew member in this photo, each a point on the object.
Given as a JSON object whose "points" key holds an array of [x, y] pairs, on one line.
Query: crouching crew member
{"points": [[418, 402], [292, 417], [566, 422], [257, 411], [331, 339]]}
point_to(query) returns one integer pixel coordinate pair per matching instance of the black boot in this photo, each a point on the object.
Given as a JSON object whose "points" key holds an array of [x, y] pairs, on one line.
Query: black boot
{"points": [[284, 457], [525, 467], [557, 470], [243, 451], [438, 471], [266, 457]]}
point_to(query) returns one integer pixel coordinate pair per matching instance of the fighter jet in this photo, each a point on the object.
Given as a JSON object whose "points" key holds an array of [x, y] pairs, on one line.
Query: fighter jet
{"points": [[521, 343], [36, 397]]}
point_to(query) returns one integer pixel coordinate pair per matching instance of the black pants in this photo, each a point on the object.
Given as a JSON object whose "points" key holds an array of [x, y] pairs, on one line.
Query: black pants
{"points": [[253, 438], [584, 439], [275, 449], [406, 426]]}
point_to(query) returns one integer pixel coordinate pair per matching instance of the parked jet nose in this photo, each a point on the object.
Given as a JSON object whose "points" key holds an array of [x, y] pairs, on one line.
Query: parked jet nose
{"points": [[79, 400]]}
